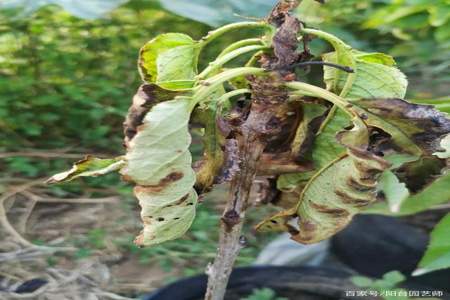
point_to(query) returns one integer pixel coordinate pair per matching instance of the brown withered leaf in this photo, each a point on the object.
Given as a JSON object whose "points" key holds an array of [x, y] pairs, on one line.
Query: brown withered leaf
{"points": [[410, 126], [312, 117], [281, 10], [285, 44]]}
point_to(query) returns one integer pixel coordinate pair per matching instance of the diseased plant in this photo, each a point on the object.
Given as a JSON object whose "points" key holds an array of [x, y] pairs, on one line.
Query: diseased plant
{"points": [[326, 153]]}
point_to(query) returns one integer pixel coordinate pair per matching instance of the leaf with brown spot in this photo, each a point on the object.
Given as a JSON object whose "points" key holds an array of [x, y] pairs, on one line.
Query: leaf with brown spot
{"points": [[328, 202], [163, 223], [145, 98], [159, 162]]}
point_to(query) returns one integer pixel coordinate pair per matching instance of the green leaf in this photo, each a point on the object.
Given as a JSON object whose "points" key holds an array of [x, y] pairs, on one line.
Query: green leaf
{"points": [[390, 280], [398, 159], [159, 162], [437, 256], [395, 192], [89, 166], [343, 56], [393, 13], [361, 281], [331, 198], [435, 193], [169, 60], [375, 76], [439, 14]]}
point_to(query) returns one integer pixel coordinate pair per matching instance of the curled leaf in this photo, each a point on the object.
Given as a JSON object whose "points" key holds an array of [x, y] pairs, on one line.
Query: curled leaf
{"points": [[159, 162], [343, 55], [89, 166], [169, 60], [146, 96], [331, 198], [166, 222], [415, 128], [209, 166]]}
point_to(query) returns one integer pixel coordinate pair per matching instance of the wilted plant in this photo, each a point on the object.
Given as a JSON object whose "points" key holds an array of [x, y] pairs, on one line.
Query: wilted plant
{"points": [[326, 153]]}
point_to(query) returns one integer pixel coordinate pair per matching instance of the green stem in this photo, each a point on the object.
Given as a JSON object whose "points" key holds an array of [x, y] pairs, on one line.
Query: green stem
{"points": [[326, 36], [254, 58], [359, 127], [324, 94], [233, 26], [343, 56], [342, 51], [201, 92], [215, 65], [231, 94], [239, 44]]}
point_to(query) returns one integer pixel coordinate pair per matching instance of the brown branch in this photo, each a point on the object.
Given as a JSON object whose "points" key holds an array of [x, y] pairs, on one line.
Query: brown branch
{"points": [[268, 114], [232, 222]]}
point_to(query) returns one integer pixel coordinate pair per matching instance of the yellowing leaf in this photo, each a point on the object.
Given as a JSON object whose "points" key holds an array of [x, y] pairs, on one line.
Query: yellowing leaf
{"points": [[89, 166], [169, 60], [331, 198], [159, 162]]}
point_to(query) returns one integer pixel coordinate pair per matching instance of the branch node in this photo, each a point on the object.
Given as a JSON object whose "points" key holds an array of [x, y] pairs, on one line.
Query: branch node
{"points": [[230, 219]]}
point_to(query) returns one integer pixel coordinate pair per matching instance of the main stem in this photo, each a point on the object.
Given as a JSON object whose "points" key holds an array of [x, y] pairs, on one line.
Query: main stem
{"points": [[267, 117], [230, 242]]}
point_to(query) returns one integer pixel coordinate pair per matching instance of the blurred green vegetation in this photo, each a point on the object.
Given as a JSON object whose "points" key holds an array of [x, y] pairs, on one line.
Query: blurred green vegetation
{"points": [[66, 84]]}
